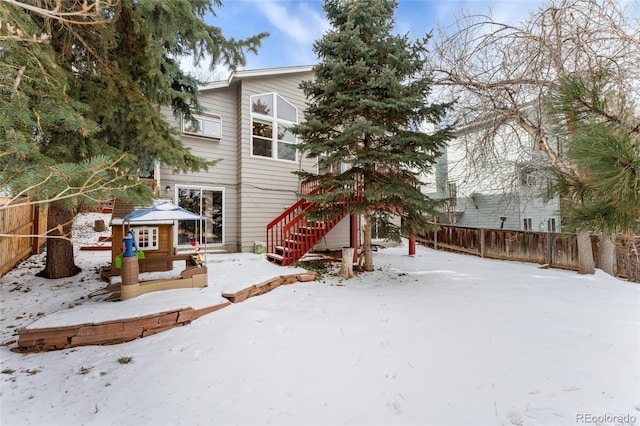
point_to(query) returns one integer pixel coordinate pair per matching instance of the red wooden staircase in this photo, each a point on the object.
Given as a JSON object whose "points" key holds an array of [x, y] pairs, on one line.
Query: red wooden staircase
{"points": [[292, 235]]}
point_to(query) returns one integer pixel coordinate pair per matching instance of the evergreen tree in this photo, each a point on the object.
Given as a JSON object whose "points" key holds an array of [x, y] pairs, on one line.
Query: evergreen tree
{"points": [[365, 108], [601, 134], [79, 95]]}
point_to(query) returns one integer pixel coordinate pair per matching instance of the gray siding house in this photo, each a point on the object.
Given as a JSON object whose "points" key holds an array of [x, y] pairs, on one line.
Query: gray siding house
{"points": [[244, 127], [502, 189]]}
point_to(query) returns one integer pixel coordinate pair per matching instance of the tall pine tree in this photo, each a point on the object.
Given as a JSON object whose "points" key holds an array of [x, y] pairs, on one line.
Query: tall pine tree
{"points": [[81, 88], [366, 106]]}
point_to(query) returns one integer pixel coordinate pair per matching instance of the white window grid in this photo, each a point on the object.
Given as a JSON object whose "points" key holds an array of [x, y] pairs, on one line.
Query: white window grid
{"points": [[147, 237]]}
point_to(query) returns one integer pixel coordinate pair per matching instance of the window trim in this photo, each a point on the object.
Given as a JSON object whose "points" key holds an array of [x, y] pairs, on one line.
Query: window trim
{"points": [[205, 116], [528, 175], [275, 124], [221, 189]]}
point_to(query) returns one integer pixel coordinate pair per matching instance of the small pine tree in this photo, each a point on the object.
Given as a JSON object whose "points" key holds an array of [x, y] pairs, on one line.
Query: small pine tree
{"points": [[365, 109]]}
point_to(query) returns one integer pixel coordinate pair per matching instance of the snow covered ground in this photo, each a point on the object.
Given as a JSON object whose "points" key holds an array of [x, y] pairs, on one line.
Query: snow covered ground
{"points": [[433, 339]]}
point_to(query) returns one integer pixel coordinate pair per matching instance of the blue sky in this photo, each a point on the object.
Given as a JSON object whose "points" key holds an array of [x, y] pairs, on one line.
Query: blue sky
{"points": [[294, 25]]}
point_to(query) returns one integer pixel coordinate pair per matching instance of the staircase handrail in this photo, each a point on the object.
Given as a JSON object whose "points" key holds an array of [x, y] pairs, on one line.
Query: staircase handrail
{"points": [[294, 221], [287, 212]]}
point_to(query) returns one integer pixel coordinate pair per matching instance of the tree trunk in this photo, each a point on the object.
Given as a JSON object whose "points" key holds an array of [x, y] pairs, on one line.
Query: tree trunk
{"points": [[346, 271], [60, 262], [585, 253], [607, 254], [366, 242]]}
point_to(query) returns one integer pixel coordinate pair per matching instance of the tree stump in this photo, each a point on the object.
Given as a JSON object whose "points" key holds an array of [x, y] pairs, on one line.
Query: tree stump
{"points": [[99, 225], [346, 271]]}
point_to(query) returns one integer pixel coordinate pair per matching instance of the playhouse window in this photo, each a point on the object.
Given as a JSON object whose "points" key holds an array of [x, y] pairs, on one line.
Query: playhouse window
{"points": [[147, 238]]}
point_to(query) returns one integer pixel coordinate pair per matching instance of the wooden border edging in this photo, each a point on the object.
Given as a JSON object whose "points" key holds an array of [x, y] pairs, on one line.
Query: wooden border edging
{"points": [[266, 286], [107, 332], [32, 340]]}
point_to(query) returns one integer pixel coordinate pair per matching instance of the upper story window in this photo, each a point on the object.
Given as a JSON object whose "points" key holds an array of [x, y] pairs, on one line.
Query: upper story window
{"points": [[208, 126], [271, 118], [528, 174]]}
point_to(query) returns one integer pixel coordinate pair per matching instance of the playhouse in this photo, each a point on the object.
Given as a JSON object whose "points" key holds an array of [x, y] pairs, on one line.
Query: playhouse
{"points": [[143, 242], [153, 229]]}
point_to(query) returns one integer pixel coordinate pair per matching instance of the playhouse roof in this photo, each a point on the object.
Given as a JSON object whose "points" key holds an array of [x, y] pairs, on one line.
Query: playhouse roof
{"points": [[162, 211]]}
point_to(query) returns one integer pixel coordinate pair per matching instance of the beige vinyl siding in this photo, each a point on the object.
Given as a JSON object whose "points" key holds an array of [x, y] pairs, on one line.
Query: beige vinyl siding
{"points": [[220, 102], [268, 185], [256, 189], [337, 238]]}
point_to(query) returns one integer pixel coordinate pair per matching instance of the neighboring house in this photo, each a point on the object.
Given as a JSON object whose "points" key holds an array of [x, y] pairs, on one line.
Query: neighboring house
{"points": [[245, 127], [500, 189]]}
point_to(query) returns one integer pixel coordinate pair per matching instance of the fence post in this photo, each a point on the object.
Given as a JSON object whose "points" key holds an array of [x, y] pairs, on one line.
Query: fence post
{"points": [[548, 258], [35, 227], [481, 242], [435, 239]]}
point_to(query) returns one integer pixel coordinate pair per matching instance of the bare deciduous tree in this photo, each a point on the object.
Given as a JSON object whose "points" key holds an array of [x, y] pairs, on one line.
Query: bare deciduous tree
{"points": [[502, 73]]}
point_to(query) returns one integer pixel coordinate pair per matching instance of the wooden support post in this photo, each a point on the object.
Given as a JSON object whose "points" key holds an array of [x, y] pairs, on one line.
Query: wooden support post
{"points": [[412, 242], [354, 236], [482, 246]]}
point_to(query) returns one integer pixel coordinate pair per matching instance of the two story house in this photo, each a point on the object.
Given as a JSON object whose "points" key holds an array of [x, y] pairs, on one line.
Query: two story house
{"points": [[497, 188], [245, 126]]}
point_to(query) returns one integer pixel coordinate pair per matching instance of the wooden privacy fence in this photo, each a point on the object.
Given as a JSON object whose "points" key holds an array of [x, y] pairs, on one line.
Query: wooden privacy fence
{"points": [[23, 221], [557, 250]]}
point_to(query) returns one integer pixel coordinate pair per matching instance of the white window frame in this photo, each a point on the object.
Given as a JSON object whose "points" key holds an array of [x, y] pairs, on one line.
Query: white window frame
{"points": [[224, 216], [203, 120], [274, 121], [551, 224], [527, 224], [153, 239]]}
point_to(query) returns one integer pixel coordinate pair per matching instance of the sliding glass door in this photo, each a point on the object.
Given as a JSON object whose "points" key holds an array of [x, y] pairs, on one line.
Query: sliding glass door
{"points": [[205, 202]]}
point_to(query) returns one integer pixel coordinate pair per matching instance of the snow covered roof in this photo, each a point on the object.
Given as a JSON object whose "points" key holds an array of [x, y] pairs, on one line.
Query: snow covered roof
{"points": [[162, 211]]}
